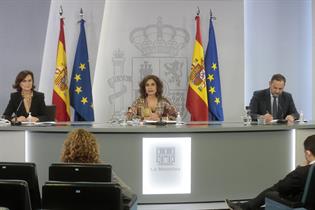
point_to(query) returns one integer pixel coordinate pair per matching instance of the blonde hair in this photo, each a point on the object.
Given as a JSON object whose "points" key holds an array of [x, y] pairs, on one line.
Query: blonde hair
{"points": [[80, 147]]}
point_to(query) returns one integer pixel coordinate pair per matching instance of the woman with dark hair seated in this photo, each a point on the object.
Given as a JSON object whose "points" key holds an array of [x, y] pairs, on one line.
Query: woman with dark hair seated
{"points": [[152, 105], [25, 104], [81, 147]]}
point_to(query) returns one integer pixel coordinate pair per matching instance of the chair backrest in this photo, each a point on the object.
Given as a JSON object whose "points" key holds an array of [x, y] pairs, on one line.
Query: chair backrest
{"points": [[309, 190], [50, 112], [75, 172], [82, 195], [26, 172], [14, 194]]}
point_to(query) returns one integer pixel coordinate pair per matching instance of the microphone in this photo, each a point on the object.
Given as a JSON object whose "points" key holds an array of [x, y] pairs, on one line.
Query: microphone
{"points": [[281, 119], [280, 111], [15, 114]]}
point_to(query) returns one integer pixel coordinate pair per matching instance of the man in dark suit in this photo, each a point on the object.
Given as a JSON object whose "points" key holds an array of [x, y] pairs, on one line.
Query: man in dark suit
{"points": [[290, 187], [273, 102]]}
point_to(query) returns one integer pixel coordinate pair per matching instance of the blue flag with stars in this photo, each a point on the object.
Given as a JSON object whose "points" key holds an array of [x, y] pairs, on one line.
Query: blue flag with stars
{"points": [[213, 78], [80, 86]]}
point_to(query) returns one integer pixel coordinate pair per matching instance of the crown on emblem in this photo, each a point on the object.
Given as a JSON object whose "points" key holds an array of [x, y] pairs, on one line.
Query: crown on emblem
{"points": [[159, 39], [118, 53], [118, 58], [145, 69]]}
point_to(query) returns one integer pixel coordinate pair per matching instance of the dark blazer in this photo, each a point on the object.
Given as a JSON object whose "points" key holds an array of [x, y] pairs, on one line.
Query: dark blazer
{"points": [[292, 185], [37, 109], [260, 104]]}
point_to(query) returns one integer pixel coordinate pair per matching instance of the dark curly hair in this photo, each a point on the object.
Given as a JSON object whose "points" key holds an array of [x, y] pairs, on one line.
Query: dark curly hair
{"points": [[159, 86], [80, 147], [19, 78]]}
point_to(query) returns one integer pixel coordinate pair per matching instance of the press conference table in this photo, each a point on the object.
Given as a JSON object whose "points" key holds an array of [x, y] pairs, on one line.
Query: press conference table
{"points": [[228, 160]]}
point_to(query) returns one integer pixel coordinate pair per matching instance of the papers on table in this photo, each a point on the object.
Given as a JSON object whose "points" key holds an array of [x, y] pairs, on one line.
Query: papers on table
{"points": [[163, 121]]}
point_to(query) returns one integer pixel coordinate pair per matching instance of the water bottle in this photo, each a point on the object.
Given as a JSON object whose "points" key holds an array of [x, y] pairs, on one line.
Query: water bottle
{"points": [[29, 117], [247, 118], [178, 119], [123, 118], [301, 119]]}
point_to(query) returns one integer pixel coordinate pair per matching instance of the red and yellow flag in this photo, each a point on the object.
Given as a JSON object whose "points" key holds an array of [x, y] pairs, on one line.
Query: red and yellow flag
{"points": [[61, 90], [197, 101]]}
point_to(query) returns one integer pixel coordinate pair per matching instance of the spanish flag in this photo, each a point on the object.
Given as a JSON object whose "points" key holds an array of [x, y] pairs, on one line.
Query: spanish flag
{"points": [[197, 100], [61, 90]]}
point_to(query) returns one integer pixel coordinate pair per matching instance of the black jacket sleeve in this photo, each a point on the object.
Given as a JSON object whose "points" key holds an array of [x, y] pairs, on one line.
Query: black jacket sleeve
{"points": [[258, 105], [38, 108], [292, 185], [291, 110], [13, 105]]}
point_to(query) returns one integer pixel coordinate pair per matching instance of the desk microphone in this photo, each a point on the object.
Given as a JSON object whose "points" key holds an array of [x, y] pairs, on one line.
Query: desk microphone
{"points": [[280, 112], [15, 114], [281, 119]]}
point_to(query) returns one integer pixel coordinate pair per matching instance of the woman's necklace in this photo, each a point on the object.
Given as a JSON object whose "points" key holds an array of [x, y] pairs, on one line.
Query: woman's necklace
{"points": [[152, 103], [27, 100]]}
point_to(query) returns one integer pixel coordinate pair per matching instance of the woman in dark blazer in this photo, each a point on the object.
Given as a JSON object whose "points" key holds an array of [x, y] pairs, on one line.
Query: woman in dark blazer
{"points": [[26, 101]]}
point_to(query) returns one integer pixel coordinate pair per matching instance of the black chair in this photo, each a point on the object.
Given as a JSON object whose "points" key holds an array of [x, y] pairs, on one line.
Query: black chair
{"points": [[78, 172], [14, 194], [73, 172], [50, 112], [26, 172], [81, 195], [275, 202]]}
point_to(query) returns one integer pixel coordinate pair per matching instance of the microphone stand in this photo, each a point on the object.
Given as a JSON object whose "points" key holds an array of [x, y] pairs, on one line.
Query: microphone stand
{"points": [[161, 122], [15, 122]]}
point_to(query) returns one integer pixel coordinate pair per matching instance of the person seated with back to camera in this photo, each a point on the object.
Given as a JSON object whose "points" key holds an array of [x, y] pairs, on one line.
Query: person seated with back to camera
{"points": [[81, 147], [273, 102], [291, 187], [151, 104], [25, 100]]}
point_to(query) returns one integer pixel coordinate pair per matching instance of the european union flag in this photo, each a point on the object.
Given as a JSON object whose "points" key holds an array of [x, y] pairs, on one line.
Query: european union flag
{"points": [[213, 78], [80, 86]]}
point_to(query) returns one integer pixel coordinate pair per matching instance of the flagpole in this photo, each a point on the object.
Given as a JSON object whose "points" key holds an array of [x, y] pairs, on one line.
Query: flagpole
{"points": [[60, 12], [81, 14], [211, 16]]}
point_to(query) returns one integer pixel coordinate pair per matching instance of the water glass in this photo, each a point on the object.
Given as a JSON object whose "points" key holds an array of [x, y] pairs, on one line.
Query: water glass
{"points": [[246, 120], [261, 120], [135, 121], [123, 118]]}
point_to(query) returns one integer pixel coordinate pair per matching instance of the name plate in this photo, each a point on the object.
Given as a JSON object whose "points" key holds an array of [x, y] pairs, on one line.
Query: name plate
{"points": [[166, 165]]}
